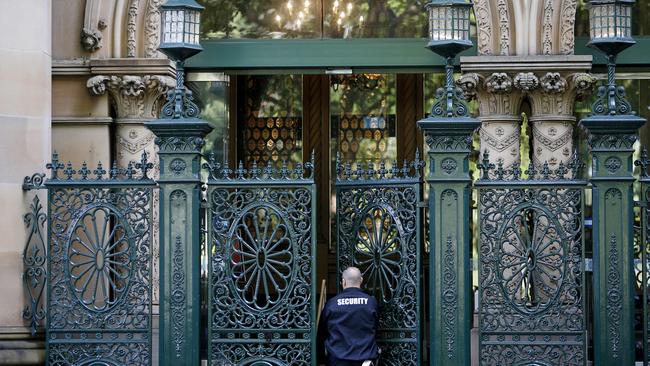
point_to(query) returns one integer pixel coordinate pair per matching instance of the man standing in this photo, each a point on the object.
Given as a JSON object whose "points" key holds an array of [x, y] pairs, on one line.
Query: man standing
{"points": [[348, 324]]}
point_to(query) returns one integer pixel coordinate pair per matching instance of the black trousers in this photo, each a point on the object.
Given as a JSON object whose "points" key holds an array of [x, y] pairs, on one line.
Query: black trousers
{"points": [[332, 361]]}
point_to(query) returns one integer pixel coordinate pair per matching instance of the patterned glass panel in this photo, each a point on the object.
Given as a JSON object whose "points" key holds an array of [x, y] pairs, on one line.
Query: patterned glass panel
{"points": [[362, 110], [271, 125]]}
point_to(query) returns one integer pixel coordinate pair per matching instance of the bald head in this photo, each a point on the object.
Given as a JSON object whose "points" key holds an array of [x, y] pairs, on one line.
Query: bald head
{"points": [[351, 277]]}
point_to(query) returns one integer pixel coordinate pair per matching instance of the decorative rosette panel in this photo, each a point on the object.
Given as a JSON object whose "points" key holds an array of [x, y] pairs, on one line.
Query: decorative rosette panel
{"points": [[378, 231], [261, 294], [531, 275]]}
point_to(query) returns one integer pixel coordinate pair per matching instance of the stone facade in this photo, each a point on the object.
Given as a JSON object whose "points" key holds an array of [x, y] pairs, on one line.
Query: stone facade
{"points": [[80, 77], [25, 144]]}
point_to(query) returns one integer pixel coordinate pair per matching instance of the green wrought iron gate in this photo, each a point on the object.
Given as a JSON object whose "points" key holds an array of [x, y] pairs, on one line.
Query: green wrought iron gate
{"points": [[379, 231], [531, 268], [99, 265], [262, 265]]}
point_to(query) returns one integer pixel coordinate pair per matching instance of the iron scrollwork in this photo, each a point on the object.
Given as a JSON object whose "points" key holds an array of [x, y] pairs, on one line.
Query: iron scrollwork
{"points": [[531, 275], [99, 284], [261, 265], [34, 262], [378, 232]]}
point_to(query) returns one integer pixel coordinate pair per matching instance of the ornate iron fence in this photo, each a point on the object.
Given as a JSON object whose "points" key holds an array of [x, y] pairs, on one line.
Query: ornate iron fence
{"points": [[531, 267], [35, 257], [99, 265], [379, 231], [642, 255], [262, 265]]}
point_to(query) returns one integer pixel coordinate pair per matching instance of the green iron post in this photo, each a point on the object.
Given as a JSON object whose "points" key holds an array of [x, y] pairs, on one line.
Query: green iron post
{"points": [[448, 134], [450, 289], [612, 138], [612, 133], [180, 143], [180, 137]]}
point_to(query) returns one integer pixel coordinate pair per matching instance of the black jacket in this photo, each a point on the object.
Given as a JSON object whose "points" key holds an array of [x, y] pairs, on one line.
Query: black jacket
{"points": [[348, 326]]}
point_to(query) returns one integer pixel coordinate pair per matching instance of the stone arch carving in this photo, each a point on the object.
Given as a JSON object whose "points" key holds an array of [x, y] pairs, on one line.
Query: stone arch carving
{"points": [[122, 28], [525, 27]]}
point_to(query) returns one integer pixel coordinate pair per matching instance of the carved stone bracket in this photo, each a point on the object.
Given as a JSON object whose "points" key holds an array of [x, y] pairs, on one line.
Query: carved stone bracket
{"points": [[91, 39]]}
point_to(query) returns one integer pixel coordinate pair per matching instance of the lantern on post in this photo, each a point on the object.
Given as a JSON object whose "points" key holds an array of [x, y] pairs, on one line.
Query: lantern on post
{"points": [[449, 27], [448, 36], [181, 20], [611, 32], [613, 129], [448, 134], [179, 40], [610, 25], [180, 136]]}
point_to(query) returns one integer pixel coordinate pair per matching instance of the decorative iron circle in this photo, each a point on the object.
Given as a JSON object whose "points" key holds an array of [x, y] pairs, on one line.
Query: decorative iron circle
{"points": [[99, 258], [449, 165], [178, 166], [613, 164], [96, 362], [262, 257], [378, 252], [531, 262], [265, 362]]}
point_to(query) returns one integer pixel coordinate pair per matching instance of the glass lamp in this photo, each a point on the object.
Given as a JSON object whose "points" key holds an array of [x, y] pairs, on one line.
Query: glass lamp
{"points": [[611, 32], [181, 21], [449, 27], [610, 25]]}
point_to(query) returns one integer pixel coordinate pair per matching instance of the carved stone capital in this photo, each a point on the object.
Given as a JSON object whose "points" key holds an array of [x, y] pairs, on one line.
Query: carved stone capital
{"points": [[134, 97], [526, 81], [559, 91]]}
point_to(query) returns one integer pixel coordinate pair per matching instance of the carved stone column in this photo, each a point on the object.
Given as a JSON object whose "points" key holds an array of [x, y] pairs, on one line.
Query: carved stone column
{"points": [[499, 114], [551, 84], [135, 99], [552, 117]]}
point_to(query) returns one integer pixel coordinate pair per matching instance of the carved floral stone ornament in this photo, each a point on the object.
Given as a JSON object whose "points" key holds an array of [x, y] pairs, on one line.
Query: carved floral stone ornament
{"points": [[91, 39], [469, 84], [584, 85], [498, 82], [553, 83], [134, 96], [526, 81]]}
